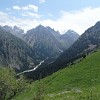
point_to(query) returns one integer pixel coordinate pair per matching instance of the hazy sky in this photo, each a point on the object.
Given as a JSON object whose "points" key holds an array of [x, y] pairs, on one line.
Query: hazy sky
{"points": [[61, 15]]}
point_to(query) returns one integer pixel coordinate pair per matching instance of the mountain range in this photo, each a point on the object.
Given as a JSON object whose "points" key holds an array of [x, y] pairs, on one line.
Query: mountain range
{"points": [[43, 42], [24, 51], [87, 42], [48, 43]]}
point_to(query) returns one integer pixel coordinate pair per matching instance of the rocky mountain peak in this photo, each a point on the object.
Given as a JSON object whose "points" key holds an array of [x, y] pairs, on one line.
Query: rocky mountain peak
{"points": [[71, 32], [14, 30]]}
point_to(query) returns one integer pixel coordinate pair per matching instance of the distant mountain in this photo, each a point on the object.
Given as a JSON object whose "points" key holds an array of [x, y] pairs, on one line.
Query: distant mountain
{"points": [[15, 53], [44, 42], [68, 38], [55, 33], [86, 43], [14, 30]]}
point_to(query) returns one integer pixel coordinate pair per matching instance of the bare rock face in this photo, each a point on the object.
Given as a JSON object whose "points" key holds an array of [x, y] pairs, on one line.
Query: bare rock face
{"points": [[15, 53], [68, 38], [14, 30], [47, 42], [44, 42]]}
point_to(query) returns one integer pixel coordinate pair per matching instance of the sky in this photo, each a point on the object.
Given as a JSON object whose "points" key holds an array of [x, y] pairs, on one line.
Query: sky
{"points": [[61, 15]]}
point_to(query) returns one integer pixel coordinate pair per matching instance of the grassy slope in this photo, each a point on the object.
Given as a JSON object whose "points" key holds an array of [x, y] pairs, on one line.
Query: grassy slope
{"points": [[80, 81]]}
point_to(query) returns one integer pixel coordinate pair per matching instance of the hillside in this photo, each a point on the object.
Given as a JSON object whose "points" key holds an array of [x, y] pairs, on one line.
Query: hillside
{"points": [[44, 43], [80, 81], [86, 43], [15, 53]]}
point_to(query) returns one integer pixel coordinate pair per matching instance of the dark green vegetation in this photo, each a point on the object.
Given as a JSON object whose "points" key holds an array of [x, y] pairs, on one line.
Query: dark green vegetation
{"points": [[15, 53], [9, 85], [80, 81], [87, 42]]}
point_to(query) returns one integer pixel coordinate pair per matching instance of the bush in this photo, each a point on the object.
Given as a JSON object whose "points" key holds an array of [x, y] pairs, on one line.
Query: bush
{"points": [[9, 85]]}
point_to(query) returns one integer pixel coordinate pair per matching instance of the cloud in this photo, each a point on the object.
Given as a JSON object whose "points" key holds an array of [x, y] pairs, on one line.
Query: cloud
{"points": [[30, 14], [25, 24], [4, 18], [50, 15], [42, 1], [8, 9], [16, 7], [75, 20], [28, 7]]}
